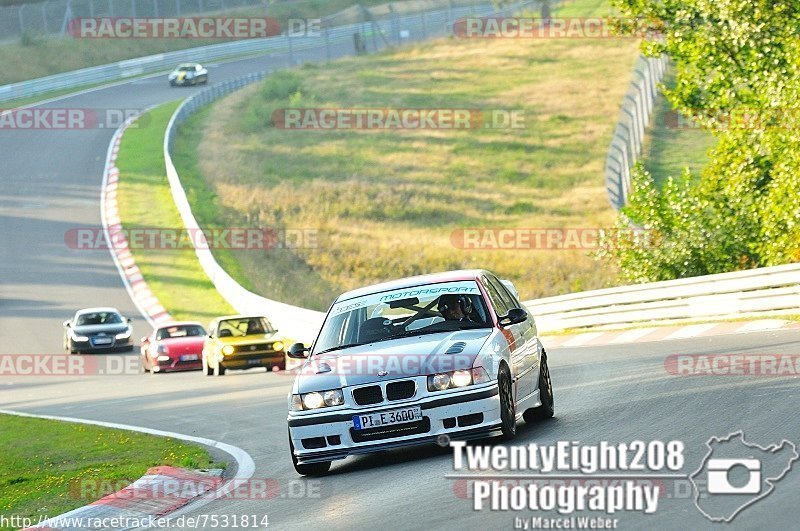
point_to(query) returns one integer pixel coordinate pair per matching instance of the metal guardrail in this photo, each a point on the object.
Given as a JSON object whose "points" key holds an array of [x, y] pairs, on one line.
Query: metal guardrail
{"points": [[728, 294], [377, 29], [740, 293], [299, 323], [637, 108]]}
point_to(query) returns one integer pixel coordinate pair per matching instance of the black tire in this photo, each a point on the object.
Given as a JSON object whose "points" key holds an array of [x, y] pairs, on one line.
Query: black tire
{"points": [[207, 370], [546, 410], [507, 409], [311, 469], [219, 370]]}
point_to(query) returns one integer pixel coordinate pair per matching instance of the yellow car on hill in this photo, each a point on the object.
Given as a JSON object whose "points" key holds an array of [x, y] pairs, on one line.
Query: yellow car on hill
{"points": [[242, 342]]}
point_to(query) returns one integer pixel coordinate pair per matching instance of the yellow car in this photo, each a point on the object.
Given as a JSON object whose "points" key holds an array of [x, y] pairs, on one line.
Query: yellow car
{"points": [[242, 342]]}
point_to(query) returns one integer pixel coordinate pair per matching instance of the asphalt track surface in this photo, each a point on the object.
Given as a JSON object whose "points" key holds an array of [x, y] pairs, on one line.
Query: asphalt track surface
{"points": [[51, 183]]}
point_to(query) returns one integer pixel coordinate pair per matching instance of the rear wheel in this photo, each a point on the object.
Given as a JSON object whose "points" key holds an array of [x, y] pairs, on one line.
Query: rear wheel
{"points": [[311, 469], [507, 411], [546, 410]]}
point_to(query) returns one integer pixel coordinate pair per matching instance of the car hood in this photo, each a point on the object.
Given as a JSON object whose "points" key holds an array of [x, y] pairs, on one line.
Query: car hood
{"points": [[183, 345], [116, 328], [399, 358]]}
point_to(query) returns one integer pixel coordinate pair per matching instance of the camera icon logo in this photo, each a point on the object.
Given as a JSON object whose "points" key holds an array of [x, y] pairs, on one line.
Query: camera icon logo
{"points": [[719, 472], [735, 473]]}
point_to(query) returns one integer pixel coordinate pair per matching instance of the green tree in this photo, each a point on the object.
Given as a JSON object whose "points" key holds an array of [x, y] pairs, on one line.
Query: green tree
{"points": [[737, 65]]}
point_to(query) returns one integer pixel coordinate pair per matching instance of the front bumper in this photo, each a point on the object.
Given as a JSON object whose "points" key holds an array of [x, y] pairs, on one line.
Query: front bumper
{"points": [[175, 364], [249, 361], [93, 346], [461, 415]]}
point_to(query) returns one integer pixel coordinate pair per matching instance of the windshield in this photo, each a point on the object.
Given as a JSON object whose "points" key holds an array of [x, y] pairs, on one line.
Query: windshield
{"points": [[246, 326], [98, 318], [388, 315], [186, 68], [180, 331]]}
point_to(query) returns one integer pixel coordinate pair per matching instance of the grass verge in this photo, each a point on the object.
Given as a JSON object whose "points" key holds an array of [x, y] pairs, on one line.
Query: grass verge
{"points": [[43, 460], [671, 144], [385, 203], [145, 201]]}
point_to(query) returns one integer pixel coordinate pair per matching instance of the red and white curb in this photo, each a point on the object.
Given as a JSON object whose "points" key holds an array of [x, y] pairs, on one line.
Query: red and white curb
{"points": [[144, 299], [665, 333], [188, 490], [162, 491]]}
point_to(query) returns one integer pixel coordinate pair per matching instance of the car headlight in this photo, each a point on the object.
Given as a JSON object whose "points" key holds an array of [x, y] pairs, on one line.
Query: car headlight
{"points": [[295, 403], [76, 337], [126, 334], [316, 400], [227, 350], [163, 358], [278, 345], [461, 378], [454, 379], [438, 382]]}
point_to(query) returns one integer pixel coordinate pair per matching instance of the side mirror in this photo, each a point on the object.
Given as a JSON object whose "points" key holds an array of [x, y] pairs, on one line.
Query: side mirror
{"points": [[298, 351], [67, 324], [129, 320], [515, 315]]}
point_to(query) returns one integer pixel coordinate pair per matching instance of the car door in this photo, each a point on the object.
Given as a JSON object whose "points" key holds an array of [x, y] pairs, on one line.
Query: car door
{"points": [[529, 335], [525, 344], [515, 340]]}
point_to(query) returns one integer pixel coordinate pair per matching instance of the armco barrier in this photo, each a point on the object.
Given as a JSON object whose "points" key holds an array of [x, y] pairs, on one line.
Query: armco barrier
{"points": [[752, 292], [396, 25], [295, 322], [299, 323], [637, 109]]}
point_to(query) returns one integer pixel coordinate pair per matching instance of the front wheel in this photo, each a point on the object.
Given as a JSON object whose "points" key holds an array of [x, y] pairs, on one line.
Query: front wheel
{"points": [[546, 410], [507, 409], [311, 469], [219, 370]]}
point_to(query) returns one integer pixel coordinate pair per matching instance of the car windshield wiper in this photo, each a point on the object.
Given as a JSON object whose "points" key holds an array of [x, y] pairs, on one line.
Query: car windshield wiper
{"points": [[339, 347]]}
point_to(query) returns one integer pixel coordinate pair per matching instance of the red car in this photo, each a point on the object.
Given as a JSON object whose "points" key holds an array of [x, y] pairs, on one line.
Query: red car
{"points": [[173, 347]]}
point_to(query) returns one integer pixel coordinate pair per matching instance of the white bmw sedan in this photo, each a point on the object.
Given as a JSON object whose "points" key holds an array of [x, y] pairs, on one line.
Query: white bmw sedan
{"points": [[417, 361]]}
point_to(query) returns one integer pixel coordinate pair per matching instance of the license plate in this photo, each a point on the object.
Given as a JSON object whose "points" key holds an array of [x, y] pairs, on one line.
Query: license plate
{"points": [[102, 341], [387, 418], [189, 357], [254, 362]]}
